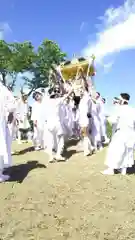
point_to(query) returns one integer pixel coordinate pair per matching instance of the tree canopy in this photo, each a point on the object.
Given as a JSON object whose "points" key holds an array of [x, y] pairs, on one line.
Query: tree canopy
{"points": [[22, 57]]}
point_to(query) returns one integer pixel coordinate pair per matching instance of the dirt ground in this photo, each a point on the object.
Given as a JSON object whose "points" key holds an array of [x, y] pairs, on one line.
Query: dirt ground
{"points": [[66, 201]]}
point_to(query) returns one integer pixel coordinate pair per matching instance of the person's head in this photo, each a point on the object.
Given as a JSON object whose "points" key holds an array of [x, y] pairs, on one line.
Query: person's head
{"points": [[55, 92], [77, 101], [86, 87], [104, 100], [30, 110], [81, 93], [72, 95], [57, 88], [97, 95], [116, 101], [24, 98], [124, 98], [16, 98], [37, 95], [67, 100]]}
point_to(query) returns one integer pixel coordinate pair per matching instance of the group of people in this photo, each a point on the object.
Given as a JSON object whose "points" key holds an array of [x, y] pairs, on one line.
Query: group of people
{"points": [[62, 113]]}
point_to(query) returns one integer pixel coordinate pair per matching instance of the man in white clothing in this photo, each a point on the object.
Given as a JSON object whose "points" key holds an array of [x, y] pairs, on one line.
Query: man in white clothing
{"points": [[116, 104], [55, 115], [22, 110], [120, 153], [96, 128], [103, 121], [38, 118], [85, 107], [7, 108]]}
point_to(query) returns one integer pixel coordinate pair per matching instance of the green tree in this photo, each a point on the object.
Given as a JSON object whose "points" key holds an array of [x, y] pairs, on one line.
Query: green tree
{"points": [[5, 61], [15, 58], [23, 56], [109, 130], [48, 55]]}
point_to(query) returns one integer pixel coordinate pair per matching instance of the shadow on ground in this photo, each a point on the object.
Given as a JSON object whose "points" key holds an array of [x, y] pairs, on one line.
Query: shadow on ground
{"points": [[24, 151], [69, 153], [131, 170], [19, 172], [72, 143]]}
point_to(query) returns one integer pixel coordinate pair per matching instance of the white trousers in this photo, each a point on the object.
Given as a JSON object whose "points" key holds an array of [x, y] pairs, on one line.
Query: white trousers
{"points": [[38, 138], [103, 129], [86, 140], [55, 141], [96, 133]]}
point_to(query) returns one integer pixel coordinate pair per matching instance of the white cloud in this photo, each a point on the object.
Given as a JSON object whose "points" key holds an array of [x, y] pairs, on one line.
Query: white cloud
{"points": [[4, 28], [117, 33]]}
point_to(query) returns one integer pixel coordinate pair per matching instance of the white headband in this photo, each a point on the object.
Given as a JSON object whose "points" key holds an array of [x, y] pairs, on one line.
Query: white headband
{"points": [[122, 99], [116, 100]]}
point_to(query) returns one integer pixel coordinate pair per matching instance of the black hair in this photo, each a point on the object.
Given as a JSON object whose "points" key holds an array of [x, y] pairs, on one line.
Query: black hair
{"points": [[50, 90], [125, 96], [98, 93], [104, 100], [77, 100], [116, 99]]}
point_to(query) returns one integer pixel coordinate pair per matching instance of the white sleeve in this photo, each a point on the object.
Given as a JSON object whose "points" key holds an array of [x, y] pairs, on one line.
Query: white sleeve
{"points": [[9, 100], [34, 112], [113, 118]]}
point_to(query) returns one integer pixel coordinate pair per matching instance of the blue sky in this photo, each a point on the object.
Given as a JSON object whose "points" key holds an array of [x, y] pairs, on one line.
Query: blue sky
{"points": [[73, 24]]}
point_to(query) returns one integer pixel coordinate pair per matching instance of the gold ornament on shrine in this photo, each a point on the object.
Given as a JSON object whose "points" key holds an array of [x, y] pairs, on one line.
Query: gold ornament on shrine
{"points": [[70, 69]]}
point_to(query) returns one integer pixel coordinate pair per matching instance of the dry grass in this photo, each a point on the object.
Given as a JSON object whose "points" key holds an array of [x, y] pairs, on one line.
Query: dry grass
{"points": [[66, 201]]}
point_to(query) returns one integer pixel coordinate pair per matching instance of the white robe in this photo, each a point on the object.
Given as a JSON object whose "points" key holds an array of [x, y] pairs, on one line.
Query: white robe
{"points": [[38, 116], [68, 119], [13, 126], [22, 115], [84, 108], [7, 105], [114, 116], [96, 127], [55, 115], [120, 151], [102, 119]]}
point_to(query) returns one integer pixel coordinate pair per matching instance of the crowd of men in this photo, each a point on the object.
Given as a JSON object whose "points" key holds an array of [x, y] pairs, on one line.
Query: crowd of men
{"points": [[57, 119], [62, 113]]}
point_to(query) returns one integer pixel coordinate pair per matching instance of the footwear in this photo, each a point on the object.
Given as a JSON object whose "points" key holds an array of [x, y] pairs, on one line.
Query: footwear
{"points": [[108, 172], [94, 151], [123, 171], [54, 150], [59, 158], [86, 154], [4, 178], [100, 149], [106, 141], [51, 160], [37, 148]]}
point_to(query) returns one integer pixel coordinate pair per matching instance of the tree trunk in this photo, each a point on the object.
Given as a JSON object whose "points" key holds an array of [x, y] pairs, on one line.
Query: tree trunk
{"points": [[13, 84], [3, 78], [30, 92]]}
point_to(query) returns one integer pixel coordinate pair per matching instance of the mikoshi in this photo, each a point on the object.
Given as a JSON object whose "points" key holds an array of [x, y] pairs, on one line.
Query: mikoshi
{"points": [[69, 69]]}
